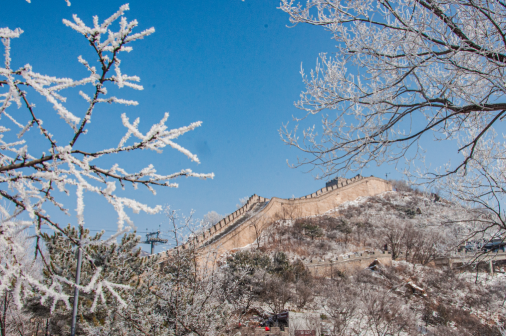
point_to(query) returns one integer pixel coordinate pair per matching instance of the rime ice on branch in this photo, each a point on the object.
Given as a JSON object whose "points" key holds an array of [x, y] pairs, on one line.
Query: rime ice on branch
{"points": [[406, 73], [30, 178]]}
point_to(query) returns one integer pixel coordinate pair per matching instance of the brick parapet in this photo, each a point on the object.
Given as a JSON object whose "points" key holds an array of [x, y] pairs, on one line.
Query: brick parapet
{"points": [[359, 261], [254, 199], [336, 194], [224, 223]]}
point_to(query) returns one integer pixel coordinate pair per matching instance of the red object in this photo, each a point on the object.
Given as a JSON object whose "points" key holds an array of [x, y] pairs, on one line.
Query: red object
{"points": [[267, 329]]}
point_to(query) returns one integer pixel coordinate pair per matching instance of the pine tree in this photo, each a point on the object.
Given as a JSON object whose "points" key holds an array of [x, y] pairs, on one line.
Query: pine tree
{"points": [[140, 296], [123, 304]]}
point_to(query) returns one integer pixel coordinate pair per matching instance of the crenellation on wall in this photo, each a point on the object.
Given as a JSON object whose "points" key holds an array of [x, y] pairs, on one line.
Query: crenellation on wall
{"points": [[328, 269], [229, 220], [313, 204]]}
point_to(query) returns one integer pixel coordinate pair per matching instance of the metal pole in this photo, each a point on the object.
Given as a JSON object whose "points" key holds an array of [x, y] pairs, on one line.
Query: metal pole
{"points": [[152, 247], [76, 292]]}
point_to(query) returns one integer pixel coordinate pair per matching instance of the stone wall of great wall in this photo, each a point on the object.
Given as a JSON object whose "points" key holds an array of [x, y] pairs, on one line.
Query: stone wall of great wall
{"points": [[243, 226], [361, 260]]}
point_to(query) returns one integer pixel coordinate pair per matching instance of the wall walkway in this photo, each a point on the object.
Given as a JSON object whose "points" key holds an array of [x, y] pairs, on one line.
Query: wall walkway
{"points": [[243, 227], [328, 268]]}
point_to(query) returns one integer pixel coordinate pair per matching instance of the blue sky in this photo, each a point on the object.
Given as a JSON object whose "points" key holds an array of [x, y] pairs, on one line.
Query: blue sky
{"points": [[232, 64]]}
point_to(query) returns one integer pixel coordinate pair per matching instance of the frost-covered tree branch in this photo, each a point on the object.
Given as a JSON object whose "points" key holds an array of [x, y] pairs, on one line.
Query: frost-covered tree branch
{"points": [[425, 67], [406, 72], [32, 178]]}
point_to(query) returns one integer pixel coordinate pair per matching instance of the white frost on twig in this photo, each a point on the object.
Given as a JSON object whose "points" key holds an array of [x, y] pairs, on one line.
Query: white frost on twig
{"points": [[33, 180]]}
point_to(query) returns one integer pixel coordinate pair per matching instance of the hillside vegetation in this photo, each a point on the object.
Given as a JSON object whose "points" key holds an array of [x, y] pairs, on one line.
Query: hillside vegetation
{"points": [[418, 226], [410, 297]]}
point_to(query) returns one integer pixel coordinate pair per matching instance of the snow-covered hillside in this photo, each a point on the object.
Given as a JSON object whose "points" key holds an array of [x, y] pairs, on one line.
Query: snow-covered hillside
{"points": [[415, 225], [410, 297]]}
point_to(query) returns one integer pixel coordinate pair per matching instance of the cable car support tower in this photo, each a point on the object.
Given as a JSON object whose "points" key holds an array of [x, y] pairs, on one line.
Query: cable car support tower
{"points": [[153, 238]]}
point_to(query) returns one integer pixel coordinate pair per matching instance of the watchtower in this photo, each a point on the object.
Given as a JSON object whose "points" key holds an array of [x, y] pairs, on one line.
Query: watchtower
{"points": [[334, 181]]}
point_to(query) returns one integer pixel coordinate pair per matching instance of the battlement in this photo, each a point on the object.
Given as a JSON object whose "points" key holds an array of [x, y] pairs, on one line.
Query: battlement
{"points": [[243, 226], [225, 223], [359, 260], [333, 185]]}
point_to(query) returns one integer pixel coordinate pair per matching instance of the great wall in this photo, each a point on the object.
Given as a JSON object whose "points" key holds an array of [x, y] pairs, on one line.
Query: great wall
{"points": [[243, 226]]}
